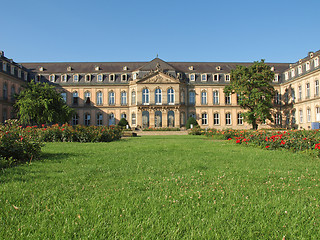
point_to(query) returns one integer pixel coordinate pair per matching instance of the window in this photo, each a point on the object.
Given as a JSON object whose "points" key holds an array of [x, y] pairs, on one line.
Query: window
{"points": [[277, 119], [134, 76], [301, 115], [204, 97], [4, 66], [19, 73], [293, 73], [300, 92], [99, 98], [133, 119], [286, 75], [192, 77], [170, 96], [316, 62], [276, 99], [124, 77], [12, 70], [64, 96], [99, 119], [307, 66], [299, 70], [216, 119], [123, 98], [287, 119], [76, 78], [87, 78], [183, 97], [52, 78], [227, 77], [100, 78], [193, 115], [75, 120], [123, 115], [25, 76], [216, 77], [203, 77], [64, 78], [215, 97], [228, 99], [112, 77], [5, 91], [276, 78], [204, 119], [133, 97], [192, 97], [13, 92], [239, 98], [158, 96], [240, 119], [87, 97], [228, 118], [112, 120], [307, 90], [111, 98], [145, 96], [293, 115], [286, 97], [293, 95], [316, 88], [317, 114], [308, 115], [87, 118], [4, 114], [75, 98]]}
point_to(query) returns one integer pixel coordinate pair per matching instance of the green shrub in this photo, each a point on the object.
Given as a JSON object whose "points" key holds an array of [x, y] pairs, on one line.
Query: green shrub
{"points": [[123, 122], [193, 121]]}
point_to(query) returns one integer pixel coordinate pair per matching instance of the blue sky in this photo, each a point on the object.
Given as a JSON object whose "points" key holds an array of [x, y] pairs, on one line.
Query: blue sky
{"points": [[197, 31]]}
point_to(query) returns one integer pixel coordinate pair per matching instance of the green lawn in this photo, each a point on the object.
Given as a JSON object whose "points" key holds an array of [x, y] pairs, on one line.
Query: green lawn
{"points": [[161, 187]]}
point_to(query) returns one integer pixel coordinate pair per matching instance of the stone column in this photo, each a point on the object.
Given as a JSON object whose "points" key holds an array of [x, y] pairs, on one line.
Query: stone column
{"points": [[164, 118], [151, 117], [176, 118]]}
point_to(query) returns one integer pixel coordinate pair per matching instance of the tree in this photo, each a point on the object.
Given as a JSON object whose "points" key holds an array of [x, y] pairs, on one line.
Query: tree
{"points": [[191, 120], [123, 122], [254, 90], [40, 103]]}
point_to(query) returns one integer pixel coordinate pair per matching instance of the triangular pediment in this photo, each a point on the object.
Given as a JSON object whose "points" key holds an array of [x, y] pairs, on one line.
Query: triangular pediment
{"points": [[158, 77], [156, 64]]}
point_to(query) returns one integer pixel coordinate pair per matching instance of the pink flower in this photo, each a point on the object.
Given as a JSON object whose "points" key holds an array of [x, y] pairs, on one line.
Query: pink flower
{"points": [[267, 146]]}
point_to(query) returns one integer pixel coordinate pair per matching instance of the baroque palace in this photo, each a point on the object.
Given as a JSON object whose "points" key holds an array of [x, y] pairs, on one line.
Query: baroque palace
{"points": [[165, 94]]}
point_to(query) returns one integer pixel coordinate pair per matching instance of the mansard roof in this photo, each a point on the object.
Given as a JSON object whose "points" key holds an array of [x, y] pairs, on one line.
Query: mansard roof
{"points": [[157, 63]]}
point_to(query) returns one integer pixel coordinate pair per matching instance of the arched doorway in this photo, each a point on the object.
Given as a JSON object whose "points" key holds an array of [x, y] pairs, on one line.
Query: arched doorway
{"points": [[171, 119], [158, 119], [145, 119]]}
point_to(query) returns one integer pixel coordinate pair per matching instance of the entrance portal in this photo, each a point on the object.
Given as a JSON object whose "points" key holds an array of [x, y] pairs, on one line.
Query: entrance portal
{"points": [[170, 119], [158, 119], [145, 119]]}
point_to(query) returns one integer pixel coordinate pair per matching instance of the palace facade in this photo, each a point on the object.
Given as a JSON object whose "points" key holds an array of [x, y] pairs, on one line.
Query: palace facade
{"points": [[165, 94]]}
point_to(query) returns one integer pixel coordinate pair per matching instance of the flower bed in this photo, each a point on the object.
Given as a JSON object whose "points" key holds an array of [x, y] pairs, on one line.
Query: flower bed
{"points": [[161, 129], [295, 140]]}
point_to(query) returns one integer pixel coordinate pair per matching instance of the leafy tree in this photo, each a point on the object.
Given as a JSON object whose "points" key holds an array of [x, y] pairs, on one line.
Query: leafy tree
{"points": [[40, 103], [191, 120], [254, 90], [123, 122]]}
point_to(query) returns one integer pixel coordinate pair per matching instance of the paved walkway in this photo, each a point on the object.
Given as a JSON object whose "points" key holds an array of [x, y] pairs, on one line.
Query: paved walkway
{"points": [[145, 133]]}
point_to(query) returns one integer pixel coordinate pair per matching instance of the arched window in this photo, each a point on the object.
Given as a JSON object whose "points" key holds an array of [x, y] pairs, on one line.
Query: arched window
{"points": [[123, 115], [133, 97], [99, 98], [75, 98], [99, 119], [87, 119], [158, 96], [145, 96], [192, 97], [123, 98], [87, 96], [215, 97], [204, 97], [170, 96], [111, 98]]}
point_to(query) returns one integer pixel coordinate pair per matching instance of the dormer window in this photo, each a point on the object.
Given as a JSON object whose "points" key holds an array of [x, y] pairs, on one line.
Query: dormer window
{"points": [[19, 73], [276, 78], [316, 62], [227, 77], [100, 78], [299, 69], [87, 78], [216, 77], [4, 66], [192, 77], [12, 70], [124, 77], [191, 68], [25, 76], [69, 69], [125, 68], [76, 78], [307, 66], [203, 77], [218, 68], [293, 73], [64, 78], [272, 68], [41, 69], [135, 76], [112, 77], [286, 75], [52, 78], [97, 68], [38, 78]]}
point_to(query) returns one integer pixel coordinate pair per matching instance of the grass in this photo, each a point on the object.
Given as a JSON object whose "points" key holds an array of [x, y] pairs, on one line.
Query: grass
{"points": [[161, 187]]}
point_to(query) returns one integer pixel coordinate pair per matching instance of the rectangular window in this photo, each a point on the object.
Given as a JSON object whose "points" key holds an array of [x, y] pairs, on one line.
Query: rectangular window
{"points": [[216, 119], [308, 90], [52, 78], [293, 73], [88, 78], [204, 119], [276, 99], [240, 119], [316, 62], [100, 77], [299, 70], [124, 77], [192, 98], [228, 99], [301, 116], [112, 77], [203, 97], [4, 66], [318, 114], [76, 78], [133, 97], [19, 73], [75, 97], [133, 119], [203, 77], [276, 78], [227, 77], [64, 96], [64, 78], [286, 75], [300, 93], [309, 115], [215, 97], [99, 119], [12, 70], [277, 119], [216, 77], [25, 76], [228, 118], [307, 66], [316, 88], [192, 77]]}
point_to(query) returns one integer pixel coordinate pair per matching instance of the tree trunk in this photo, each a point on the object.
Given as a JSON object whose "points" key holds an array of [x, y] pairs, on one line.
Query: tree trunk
{"points": [[254, 125]]}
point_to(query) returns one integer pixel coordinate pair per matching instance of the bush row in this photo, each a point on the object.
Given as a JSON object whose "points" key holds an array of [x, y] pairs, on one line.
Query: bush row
{"points": [[161, 129], [294, 140]]}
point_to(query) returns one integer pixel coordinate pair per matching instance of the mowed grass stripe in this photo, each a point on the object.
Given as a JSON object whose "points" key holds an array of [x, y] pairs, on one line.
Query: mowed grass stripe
{"points": [[161, 187]]}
